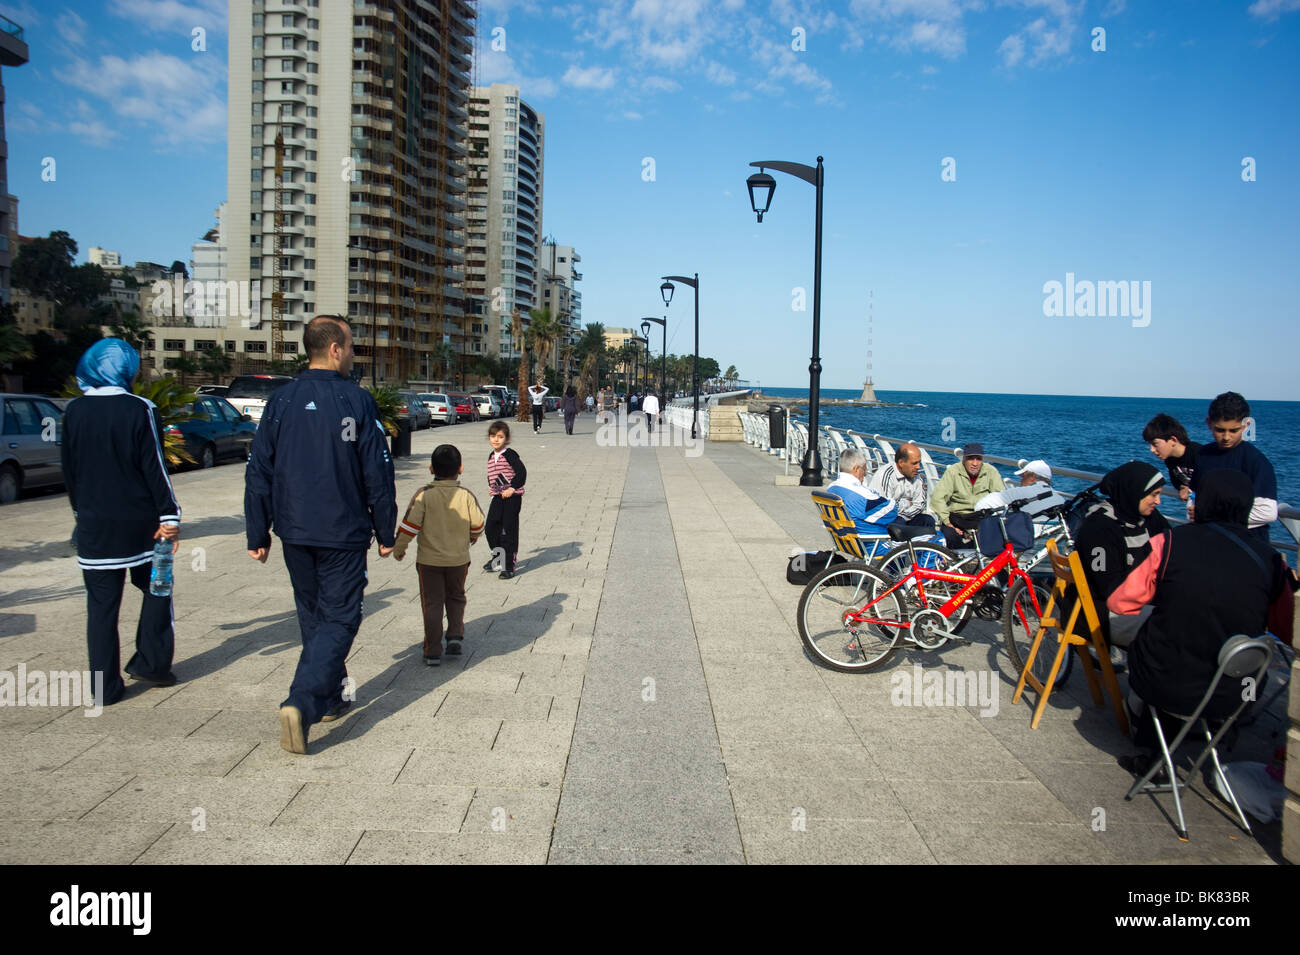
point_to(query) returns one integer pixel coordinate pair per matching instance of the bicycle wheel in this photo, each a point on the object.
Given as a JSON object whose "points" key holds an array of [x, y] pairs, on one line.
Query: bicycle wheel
{"points": [[833, 594], [897, 564], [1020, 623]]}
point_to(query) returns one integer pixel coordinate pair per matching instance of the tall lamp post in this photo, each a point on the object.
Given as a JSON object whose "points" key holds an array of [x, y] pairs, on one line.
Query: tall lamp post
{"points": [[645, 337], [761, 188], [667, 291], [663, 358]]}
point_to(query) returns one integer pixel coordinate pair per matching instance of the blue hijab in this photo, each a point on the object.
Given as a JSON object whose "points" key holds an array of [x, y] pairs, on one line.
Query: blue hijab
{"points": [[109, 363]]}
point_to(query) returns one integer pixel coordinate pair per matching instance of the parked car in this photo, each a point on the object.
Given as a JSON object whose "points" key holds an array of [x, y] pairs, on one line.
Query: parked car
{"points": [[248, 393], [506, 397], [410, 406], [550, 403], [466, 409], [489, 405], [217, 431], [31, 449], [441, 410], [217, 390]]}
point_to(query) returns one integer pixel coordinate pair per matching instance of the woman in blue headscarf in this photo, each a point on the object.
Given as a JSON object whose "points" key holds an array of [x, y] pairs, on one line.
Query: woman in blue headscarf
{"points": [[123, 501]]}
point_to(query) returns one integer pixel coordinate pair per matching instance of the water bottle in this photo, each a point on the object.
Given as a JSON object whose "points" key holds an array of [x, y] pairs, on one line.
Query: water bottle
{"points": [[160, 580]]}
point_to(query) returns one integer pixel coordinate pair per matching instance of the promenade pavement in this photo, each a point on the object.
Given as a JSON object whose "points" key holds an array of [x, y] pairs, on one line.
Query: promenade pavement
{"points": [[637, 694]]}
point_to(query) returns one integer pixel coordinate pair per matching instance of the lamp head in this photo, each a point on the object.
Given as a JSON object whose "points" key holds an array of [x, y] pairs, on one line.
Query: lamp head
{"points": [[666, 290], [761, 188], [645, 330]]}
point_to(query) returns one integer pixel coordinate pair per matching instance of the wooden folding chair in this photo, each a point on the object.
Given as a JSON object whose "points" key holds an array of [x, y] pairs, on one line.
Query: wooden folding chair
{"points": [[1069, 570], [844, 535]]}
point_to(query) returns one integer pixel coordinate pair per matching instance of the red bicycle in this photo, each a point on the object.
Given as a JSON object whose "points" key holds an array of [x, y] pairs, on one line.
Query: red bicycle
{"points": [[852, 617]]}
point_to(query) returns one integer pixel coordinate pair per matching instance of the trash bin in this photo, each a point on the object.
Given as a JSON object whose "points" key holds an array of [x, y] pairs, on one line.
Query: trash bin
{"points": [[402, 440], [776, 427]]}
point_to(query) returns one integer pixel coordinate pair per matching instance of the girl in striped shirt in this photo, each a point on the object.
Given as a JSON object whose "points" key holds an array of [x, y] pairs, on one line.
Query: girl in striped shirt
{"points": [[506, 476]]}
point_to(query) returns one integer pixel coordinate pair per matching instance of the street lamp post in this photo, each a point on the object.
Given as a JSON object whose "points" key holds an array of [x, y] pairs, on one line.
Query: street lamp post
{"points": [[667, 291], [645, 336], [663, 358], [761, 183]]}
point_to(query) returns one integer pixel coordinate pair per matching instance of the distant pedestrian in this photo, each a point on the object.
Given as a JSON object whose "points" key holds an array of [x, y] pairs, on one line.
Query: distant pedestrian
{"points": [[591, 403], [444, 519], [319, 472], [537, 393], [650, 405], [506, 477], [122, 501], [570, 409]]}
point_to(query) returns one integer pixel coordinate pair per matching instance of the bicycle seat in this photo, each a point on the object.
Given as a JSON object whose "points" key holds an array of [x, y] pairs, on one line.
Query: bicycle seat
{"points": [[901, 532]]}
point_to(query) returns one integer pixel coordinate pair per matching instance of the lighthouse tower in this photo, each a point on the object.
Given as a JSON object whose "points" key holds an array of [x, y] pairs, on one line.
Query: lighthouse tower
{"points": [[868, 388]]}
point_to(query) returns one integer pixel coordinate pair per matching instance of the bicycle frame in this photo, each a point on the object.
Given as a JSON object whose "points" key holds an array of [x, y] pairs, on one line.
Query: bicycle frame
{"points": [[973, 583]]}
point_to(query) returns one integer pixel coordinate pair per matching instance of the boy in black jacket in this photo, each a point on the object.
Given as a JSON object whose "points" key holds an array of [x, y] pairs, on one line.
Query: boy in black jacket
{"points": [[506, 476]]}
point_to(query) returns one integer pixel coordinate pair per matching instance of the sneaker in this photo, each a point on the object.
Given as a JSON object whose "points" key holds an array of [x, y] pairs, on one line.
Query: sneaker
{"points": [[337, 711], [293, 735], [506, 574], [433, 661], [453, 647], [165, 679]]}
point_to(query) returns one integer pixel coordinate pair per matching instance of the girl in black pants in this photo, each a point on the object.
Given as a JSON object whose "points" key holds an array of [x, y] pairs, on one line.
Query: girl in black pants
{"points": [[506, 476], [538, 393]]}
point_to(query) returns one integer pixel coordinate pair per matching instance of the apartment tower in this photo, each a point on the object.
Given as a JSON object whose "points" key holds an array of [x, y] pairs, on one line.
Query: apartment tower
{"points": [[370, 100], [13, 52], [507, 140]]}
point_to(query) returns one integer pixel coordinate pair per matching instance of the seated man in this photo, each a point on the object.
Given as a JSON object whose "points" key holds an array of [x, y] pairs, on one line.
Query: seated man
{"points": [[964, 483], [1035, 478], [1168, 441], [1205, 582], [872, 512], [904, 483]]}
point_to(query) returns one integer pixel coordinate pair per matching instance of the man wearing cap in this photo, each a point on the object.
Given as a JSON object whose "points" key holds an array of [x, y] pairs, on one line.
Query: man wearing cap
{"points": [[961, 486], [1035, 478]]}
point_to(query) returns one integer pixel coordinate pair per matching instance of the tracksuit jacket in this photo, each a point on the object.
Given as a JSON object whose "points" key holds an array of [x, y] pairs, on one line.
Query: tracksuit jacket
{"points": [[319, 470], [116, 478]]}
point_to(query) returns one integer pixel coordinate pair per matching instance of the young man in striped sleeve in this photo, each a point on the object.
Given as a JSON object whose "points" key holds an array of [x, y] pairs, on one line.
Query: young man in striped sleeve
{"points": [[444, 519]]}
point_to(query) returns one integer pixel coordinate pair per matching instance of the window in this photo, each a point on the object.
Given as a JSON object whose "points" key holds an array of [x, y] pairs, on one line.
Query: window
{"points": [[311, 111], [309, 177], [173, 344], [309, 264], [509, 166], [507, 237], [257, 110], [255, 219], [510, 139], [254, 241], [257, 21], [312, 46], [286, 86], [255, 197], [230, 346], [508, 222], [313, 24], [257, 175], [311, 198], [507, 194], [354, 221], [511, 112], [311, 133], [509, 126], [286, 65], [255, 264], [257, 66], [286, 20], [286, 43], [204, 344], [308, 220], [512, 99], [312, 68], [291, 348], [358, 89], [258, 347], [309, 286], [311, 155], [257, 43], [509, 208], [308, 307], [311, 90], [256, 132], [508, 153]]}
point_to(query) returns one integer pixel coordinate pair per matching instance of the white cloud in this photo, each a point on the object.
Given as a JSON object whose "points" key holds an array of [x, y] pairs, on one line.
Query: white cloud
{"points": [[629, 114], [496, 67], [71, 27], [94, 132], [660, 84], [1114, 8], [717, 73], [165, 16], [179, 98], [1012, 50], [929, 70], [590, 78], [1272, 9]]}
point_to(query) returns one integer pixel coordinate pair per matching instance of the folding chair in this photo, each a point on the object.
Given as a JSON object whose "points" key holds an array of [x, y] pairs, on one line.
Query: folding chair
{"points": [[1239, 658], [1069, 571], [844, 536]]}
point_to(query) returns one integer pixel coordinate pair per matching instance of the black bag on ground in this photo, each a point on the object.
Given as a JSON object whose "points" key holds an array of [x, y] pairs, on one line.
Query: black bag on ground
{"points": [[802, 568], [1020, 528]]}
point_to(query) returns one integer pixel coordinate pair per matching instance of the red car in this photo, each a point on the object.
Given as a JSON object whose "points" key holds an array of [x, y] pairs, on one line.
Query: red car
{"points": [[466, 406]]}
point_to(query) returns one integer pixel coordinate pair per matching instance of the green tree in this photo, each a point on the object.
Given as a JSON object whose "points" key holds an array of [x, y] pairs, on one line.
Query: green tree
{"points": [[43, 267], [131, 328], [544, 330], [186, 364], [214, 362], [387, 400], [731, 374]]}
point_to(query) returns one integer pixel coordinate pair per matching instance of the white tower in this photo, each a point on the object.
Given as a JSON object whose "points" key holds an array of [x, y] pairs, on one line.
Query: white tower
{"points": [[869, 389]]}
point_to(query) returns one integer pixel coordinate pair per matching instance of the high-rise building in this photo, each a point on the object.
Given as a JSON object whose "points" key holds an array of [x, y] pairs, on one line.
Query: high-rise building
{"points": [[561, 296], [507, 140], [13, 52], [208, 260], [369, 101], [104, 258]]}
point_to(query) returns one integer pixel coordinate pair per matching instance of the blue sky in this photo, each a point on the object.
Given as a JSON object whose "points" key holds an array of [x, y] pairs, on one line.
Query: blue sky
{"points": [[1115, 165]]}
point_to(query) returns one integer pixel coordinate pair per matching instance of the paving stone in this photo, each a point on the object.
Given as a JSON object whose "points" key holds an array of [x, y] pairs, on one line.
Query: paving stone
{"points": [[427, 848], [250, 845], [401, 807], [69, 843]]}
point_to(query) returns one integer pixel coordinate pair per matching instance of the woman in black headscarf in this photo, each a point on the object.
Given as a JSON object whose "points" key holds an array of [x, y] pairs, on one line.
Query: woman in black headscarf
{"points": [[1206, 582], [1115, 536]]}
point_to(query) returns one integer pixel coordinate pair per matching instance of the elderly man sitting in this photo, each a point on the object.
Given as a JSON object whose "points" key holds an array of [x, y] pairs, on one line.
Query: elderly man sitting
{"points": [[954, 497], [872, 512], [1035, 478], [904, 483]]}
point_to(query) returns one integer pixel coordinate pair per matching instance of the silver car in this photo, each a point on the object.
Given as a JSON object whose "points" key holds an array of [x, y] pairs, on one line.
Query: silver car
{"points": [[489, 406], [31, 438], [441, 410]]}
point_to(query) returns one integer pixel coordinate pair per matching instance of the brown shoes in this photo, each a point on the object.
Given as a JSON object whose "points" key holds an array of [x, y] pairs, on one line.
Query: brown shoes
{"points": [[293, 735]]}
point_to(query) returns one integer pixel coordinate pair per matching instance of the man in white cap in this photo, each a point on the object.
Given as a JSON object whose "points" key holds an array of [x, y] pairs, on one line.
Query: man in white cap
{"points": [[1035, 478]]}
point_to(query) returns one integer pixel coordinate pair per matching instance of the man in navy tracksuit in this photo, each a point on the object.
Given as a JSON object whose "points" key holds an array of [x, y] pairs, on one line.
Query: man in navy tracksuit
{"points": [[123, 502], [320, 473]]}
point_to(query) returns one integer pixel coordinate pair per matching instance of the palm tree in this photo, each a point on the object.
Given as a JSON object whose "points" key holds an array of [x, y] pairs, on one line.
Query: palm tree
{"points": [[731, 373], [545, 330], [587, 384], [522, 409], [566, 357], [627, 354], [443, 354]]}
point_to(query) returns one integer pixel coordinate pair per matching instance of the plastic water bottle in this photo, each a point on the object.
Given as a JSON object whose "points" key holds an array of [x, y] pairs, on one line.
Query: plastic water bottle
{"points": [[1191, 504], [160, 580]]}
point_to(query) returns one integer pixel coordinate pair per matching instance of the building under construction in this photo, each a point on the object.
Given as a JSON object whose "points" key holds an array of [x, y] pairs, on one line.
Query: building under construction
{"points": [[346, 180]]}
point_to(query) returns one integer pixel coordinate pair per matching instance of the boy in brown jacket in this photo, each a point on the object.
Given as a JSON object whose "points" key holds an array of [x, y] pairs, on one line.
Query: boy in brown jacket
{"points": [[445, 519]]}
